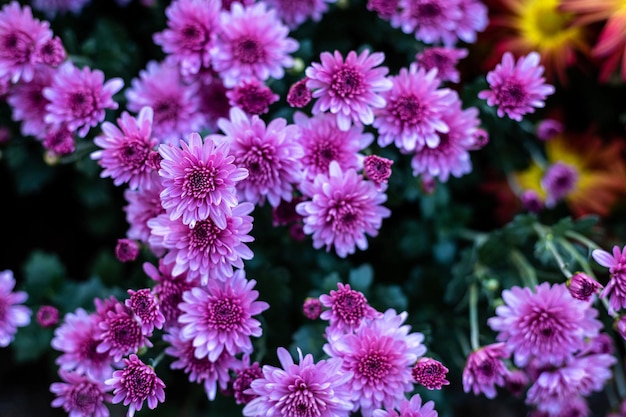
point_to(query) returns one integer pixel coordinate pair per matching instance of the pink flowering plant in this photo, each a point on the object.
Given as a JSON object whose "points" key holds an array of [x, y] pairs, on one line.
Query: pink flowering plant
{"points": [[301, 208]]}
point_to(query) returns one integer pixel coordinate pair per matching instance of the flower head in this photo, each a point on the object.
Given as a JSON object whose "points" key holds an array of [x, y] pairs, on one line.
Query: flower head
{"points": [[12, 313], [51, 53], [312, 308], [168, 290], [615, 289], [190, 33], [245, 376], [301, 390], [350, 89], [28, 104], [296, 12], [380, 355], [145, 307], [430, 373], [199, 179], [135, 384], [271, 154], [126, 148], [412, 407], [79, 98], [143, 205], [220, 317], [47, 316], [252, 96], [582, 286], [52, 7], [253, 43], [80, 395], [517, 88], [343, 209], [546, 324], [299, 94], [126, 250], [484, 370], [347, 309], [377, 169], [444, 59], [120, 333]]}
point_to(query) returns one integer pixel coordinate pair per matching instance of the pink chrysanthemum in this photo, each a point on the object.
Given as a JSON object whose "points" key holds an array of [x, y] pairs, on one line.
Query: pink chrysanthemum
{"points": [[205, 251], [548, 324], [192, 25], [126, 250], [312, 308], [517, 88], [451, 155], [443, 58], [615, 289], [323, 142], [296, 12], [168, 289], [347, 309], [380, 355], [548, 129], [271, 154], [175, 103], [28, 104], [485, 369], [145, 307], [200, 370], [430, 373], [582, 287], [413, 115], [343, 209], [79, 99], [252, 43], [431, 21], [47, 316], [474, 18], [252, 96], [59, 141], [214, 103], [51, 53], [558, 181], [412, 407], [143, 205], [21, 35], [199, 180], [12, 313], [77, 337], [52, 7], [553, 389], [301, 390], [349, 89], [220, 317], [80, 395], [135, 384], [299, 94], [126, 148], [384, 8], [377, 169], [244, 377], [120, 333]]}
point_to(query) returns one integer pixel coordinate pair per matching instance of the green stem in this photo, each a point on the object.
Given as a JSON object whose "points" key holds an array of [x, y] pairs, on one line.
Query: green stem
{"points": [[527, 272], [582, 239], [159, 358], [578, 256], [473, 312], [549, 239]]}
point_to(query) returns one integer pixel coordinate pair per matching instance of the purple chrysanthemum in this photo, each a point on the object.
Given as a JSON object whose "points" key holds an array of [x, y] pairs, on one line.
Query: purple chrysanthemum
{"points": [[252, 96], [192, 25], [271, 154], [323, 142], [553, 389], [205, 251], [377, 169], [51, 53], [582, 286], [168, 289], [59, 141], [252, 43], [443, 58], [343, 209], [412, 407], [548, 129], [347, 309], [52, 7], [615, 289], [126, 148], [431, 21], [299, 94], [126, 250], [517, 88], [199, 179], [21, 36], [12, 313], [547, 324], [135, 384], [214, 103], [474, 18], [385, 8], [219, 317], [380, 355], [47, 316], [175, 103], [143, 205], [430, 373], [558, 181], [79, 98], [296, 12], [80, 395], [451, 155], [350, 89], [120, 333], [485, 369], [200, 370], [312, 308], [76, 338], [301, 390], [244, 377], [28, 103], [413, 115], [145, 307]]}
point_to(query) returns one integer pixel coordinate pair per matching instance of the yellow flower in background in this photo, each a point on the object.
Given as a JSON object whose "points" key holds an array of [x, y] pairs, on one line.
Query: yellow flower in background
{"points": [[586, 173], [611, 43], [542, 26]]}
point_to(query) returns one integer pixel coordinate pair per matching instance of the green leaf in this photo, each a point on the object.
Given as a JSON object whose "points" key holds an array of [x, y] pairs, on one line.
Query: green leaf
{"points": [[73, 295], [43, 274], [309, 339], [31, 342], [361, 278], [390, 296]]}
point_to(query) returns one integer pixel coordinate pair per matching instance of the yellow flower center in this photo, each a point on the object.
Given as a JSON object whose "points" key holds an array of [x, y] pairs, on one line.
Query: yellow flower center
{"points": [[544, 26]]}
